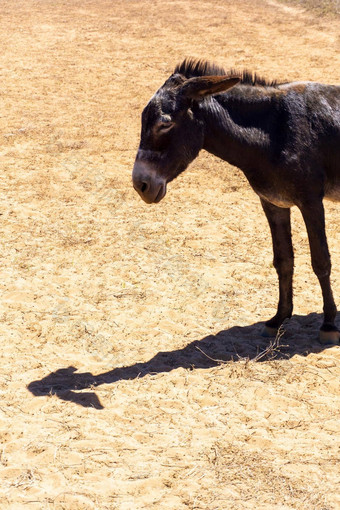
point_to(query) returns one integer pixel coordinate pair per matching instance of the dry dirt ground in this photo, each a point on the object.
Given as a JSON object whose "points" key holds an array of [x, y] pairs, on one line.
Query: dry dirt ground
{"points": [[113, 313]]}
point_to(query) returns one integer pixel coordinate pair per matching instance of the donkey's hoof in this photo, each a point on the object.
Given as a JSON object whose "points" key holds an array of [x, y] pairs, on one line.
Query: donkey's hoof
{"points": [[269, 332], [330, 337]]}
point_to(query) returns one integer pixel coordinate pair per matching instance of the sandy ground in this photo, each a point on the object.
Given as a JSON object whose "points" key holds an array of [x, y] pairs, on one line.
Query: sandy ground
{"points": [[131, 376]]}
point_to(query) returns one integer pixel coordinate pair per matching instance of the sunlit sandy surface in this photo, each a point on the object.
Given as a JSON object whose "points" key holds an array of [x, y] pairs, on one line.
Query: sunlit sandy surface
{"points": [[130, 333]]}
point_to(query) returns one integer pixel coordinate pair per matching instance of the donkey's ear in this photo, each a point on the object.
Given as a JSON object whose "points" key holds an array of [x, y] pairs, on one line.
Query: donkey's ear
{"points": [[198, 88]]}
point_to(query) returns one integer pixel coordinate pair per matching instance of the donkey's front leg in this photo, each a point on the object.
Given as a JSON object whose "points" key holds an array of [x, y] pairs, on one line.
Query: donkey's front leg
{"points": [[279, 222], [314, 217]]}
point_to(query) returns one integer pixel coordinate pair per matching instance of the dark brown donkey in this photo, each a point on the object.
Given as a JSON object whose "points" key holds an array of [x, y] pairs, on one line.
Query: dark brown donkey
{"points": [[284, 137]]}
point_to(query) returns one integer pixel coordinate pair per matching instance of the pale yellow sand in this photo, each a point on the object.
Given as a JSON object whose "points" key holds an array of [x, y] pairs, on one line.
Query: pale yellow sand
{"points": [[140, 299]]}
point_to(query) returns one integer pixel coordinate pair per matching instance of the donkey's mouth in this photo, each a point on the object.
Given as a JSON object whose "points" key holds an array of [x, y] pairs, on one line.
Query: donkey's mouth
{"points": [[152, 196], [150, 186], [161, 194]]}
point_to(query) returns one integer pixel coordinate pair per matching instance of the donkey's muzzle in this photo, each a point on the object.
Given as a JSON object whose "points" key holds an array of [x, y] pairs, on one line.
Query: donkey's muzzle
{"points": [[150, 186]]}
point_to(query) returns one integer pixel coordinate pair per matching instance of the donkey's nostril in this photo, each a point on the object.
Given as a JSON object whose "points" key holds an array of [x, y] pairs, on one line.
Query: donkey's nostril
{"points": [[144, 187]]}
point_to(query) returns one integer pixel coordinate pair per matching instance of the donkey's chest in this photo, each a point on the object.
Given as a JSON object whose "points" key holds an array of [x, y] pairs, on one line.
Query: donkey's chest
{"points": [[272, 189], [275, 198]]}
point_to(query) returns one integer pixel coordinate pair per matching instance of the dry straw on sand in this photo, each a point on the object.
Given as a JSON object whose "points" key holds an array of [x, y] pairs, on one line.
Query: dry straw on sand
{"points": [[113, 313]]}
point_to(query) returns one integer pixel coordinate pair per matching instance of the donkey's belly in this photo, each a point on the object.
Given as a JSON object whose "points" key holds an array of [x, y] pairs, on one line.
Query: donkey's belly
{"points": [[334, 193]]}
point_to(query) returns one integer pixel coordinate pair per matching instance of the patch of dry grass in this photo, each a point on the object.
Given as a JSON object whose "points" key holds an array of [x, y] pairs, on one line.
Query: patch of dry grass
{"points": [[324, 7]]}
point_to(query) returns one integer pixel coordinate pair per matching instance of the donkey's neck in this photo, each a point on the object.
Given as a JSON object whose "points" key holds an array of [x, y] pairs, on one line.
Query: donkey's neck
{"points": [[239, 126]]}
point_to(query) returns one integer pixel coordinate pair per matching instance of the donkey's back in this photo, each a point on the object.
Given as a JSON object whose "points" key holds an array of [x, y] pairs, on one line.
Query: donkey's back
{"points": [[315, 117]]}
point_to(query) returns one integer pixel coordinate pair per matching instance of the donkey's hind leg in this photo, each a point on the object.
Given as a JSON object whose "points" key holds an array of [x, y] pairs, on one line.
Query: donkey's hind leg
{"points": [[279, 222], [314, 217]]}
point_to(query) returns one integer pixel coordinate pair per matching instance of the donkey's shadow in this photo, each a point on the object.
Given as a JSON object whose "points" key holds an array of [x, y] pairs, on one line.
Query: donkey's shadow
{"points": [[234, 344]]}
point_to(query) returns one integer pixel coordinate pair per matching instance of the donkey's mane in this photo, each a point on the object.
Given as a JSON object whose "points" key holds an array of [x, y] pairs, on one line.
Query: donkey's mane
{"points": [[192, 68]]}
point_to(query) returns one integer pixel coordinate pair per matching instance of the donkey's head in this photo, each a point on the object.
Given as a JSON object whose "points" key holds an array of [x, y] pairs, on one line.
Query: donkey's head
{"points": [[173, 131]]}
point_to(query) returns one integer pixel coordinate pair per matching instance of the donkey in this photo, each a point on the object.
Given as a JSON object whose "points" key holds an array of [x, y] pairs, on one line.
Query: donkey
{"points": [[285, 137]]}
